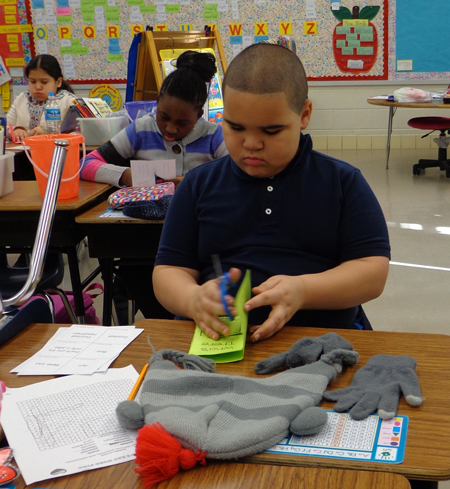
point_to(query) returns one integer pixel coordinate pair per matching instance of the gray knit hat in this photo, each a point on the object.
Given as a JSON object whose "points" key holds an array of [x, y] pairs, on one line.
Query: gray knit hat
{"points": [[231, 416]]}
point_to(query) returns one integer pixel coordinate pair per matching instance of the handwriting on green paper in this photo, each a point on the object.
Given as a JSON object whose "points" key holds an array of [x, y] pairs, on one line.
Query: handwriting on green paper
{"points": [[172, 8], [148, 9], [114, 57], [64, 19], [76, 50]]}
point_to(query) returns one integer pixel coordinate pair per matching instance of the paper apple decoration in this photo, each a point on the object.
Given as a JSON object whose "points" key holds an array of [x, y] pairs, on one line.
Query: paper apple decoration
{"points": [[355, 45]]}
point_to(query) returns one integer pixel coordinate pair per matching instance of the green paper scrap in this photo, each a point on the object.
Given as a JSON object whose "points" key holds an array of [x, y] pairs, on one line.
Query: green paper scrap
{"points": [[75, 42], [148, 9], [363, 29], [365, 50], [112, 14], [347, 50], [64, 19], [210, 12], [135, 2], [341, 29], [99, 3], [353, 44], [85, 4], [366, 37], [227, 348], [172, 8], [76, 50], [87, 14], [114, 57]]}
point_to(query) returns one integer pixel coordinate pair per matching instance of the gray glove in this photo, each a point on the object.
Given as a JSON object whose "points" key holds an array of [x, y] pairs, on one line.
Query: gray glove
{"points": [[303, 352], [378, 386]]}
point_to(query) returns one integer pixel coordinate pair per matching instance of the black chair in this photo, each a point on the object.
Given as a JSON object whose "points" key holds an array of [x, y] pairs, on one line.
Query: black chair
{"points": [[13, 277], [432, 124]]}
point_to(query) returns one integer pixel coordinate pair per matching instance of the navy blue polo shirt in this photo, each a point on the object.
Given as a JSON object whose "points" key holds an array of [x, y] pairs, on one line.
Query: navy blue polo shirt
{"points": [[315, 214]]}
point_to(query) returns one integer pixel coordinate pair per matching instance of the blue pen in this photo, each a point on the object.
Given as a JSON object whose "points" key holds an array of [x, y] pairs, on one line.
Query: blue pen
{"points": [[225, 284]]}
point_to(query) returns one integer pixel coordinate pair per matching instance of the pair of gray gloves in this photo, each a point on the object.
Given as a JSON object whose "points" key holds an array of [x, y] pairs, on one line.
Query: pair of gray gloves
{"points": [[377, 386]]}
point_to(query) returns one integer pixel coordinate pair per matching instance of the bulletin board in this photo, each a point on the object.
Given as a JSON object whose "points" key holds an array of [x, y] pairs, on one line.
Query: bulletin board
{"points": [[91, 38], [418, 37], [15, 37]]}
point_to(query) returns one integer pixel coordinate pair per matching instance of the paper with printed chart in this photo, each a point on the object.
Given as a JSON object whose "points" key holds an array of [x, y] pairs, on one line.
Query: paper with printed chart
{"points": [[68, 425]]}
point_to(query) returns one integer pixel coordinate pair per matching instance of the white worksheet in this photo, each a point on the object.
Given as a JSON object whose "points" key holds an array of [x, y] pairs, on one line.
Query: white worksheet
{"points": [[68, 425], [144, 172], [79, 349]]}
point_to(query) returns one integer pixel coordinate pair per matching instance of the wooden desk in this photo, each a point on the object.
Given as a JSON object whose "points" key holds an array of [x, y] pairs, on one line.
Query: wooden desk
{"points": [[132, 240], [277, 471], [19, 215], [427, 455], [435, 104]]}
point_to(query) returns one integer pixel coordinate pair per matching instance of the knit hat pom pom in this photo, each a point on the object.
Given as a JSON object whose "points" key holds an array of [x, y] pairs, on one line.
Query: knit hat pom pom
{"points": [[160, 456]]}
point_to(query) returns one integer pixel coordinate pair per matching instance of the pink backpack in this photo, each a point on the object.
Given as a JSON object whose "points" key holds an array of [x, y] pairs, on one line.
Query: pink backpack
{"points": [[61, 316]]}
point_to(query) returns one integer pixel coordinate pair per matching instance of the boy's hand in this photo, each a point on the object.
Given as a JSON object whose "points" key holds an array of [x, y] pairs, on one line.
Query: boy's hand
{"points": [[285, 294], [207, 306]]}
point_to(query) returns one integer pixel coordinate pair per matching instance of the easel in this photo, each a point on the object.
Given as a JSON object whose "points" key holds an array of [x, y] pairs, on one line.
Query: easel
{"points": [[149, 77]]}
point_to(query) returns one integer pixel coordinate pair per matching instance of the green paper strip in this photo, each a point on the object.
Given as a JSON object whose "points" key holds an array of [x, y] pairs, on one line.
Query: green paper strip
{"points": [[114, 57]]}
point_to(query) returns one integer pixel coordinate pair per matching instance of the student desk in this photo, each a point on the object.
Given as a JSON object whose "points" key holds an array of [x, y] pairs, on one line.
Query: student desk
{"points": [[19, 215], [276, 471], [427, 455], [132, 240], [435, 104]]}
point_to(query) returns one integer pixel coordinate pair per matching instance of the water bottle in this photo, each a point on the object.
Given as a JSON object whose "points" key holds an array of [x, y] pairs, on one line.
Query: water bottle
{"points": [[52, 115]]}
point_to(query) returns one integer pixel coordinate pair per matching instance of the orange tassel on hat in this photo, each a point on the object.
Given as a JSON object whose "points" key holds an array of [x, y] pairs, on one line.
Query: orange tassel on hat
{"points": [[160, 456]]}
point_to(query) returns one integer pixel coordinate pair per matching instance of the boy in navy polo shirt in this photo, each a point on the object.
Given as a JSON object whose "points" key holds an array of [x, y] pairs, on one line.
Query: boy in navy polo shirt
{"points": [[307, 225]]}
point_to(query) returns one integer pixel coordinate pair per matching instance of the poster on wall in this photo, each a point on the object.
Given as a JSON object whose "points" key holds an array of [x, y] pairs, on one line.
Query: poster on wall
{"points": [[92, 38], [15, 38]]}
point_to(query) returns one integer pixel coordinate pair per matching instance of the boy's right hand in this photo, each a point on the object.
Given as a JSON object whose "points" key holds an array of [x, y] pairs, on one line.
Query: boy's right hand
{"points": [[207, 306]]}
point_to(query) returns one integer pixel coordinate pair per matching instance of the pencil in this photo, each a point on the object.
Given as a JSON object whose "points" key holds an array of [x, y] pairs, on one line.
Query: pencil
{"points": [[138, 384]]}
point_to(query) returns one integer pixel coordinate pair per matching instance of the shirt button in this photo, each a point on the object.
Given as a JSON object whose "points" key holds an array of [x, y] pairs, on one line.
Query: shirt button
{"points": [[270, 188], [268, 211]]}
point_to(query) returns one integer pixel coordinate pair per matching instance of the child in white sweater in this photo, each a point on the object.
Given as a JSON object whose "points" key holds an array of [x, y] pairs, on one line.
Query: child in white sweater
{"points": [[26, 115]]}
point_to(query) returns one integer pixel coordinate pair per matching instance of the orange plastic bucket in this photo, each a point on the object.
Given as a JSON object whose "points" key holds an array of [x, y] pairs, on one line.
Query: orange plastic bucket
{"points": [[41, 149]]}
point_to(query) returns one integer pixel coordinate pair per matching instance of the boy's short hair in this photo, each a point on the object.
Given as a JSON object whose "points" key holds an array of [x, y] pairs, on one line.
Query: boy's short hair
{"points": [[268, 68]]}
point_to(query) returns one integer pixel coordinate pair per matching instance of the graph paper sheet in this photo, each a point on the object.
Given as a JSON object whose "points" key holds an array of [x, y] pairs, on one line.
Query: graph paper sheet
{"points": [[68, 425], [372, 439]]}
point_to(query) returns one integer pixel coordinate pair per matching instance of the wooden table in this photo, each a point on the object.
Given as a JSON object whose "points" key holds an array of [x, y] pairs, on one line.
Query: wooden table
{"points": [[276, 471], [132, 240], [19, 215], [435, 104], [427, 455]]}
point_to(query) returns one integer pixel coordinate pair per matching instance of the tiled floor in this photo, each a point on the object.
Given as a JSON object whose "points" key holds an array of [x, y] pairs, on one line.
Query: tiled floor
{"points": [[417, 209]]}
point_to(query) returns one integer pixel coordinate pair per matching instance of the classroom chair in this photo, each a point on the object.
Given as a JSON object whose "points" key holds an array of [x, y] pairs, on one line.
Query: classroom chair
{"points": [[12, 279], [432, 124], [13, 320]]}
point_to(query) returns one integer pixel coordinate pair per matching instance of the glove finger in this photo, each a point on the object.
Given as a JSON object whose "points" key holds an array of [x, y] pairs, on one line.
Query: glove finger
{"points": [[387, 407], [337, 394], [306, 353], [411, 389], [271, 364], [366, 405], [332, 341]]}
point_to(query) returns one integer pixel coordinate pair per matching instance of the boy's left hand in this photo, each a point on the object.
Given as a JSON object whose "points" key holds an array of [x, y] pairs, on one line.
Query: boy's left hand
{"points": [[285, 294]]}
